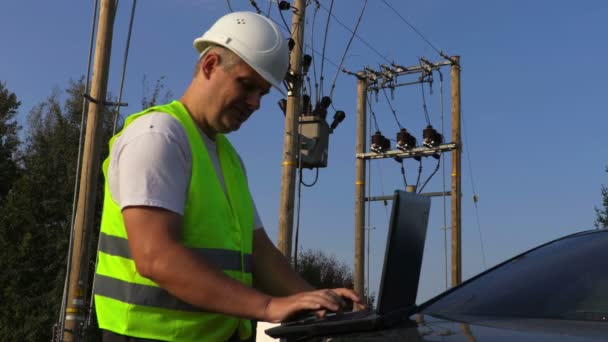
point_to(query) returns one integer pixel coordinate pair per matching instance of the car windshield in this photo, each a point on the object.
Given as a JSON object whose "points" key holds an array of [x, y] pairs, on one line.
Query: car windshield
{"points": [[565, 279]]}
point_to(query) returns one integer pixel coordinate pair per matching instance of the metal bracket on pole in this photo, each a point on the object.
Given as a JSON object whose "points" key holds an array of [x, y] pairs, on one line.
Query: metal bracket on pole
{"points": [[105, 103]]}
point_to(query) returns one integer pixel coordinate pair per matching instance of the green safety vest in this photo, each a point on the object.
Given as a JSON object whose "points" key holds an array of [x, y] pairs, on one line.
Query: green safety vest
{"points": [[216, 225]]}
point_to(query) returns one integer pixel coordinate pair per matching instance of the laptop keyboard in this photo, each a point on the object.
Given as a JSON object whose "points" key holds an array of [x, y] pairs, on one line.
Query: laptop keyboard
{"points": [[332, 317]]}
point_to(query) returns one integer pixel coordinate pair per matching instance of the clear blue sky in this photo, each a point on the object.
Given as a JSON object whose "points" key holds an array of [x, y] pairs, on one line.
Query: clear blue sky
{"points": [[533, 101]]}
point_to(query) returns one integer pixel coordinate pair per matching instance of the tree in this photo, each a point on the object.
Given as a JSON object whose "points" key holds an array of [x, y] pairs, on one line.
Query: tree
{"points": [[36, 218], [323, 271], [602, 214], [154, 97], [9, 140]]}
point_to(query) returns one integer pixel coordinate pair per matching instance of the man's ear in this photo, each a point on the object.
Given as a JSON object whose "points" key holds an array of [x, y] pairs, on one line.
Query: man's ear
{"points": [[210, 63]]}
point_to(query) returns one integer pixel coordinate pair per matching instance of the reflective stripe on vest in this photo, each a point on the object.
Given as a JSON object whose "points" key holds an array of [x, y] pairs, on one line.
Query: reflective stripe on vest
{"points": [[223, 259]]}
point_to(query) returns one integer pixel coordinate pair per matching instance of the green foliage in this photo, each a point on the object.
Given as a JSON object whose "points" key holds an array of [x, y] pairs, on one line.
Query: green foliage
{"points": [[9, 140], [602, 213], [35, 220]]}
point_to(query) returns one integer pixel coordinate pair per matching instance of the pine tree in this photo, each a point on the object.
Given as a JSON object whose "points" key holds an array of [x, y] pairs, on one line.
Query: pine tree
{"points": [[602, 214], [9, 140]]}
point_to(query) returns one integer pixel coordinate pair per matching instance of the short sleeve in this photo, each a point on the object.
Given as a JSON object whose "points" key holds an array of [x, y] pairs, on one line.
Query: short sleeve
{"points": [[150, 164]]}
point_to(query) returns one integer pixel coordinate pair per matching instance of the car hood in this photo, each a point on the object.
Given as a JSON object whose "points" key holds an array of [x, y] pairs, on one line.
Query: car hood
{"points": [[482, 329]]}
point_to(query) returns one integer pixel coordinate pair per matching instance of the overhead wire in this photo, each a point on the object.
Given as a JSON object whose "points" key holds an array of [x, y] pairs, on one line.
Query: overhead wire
{"points": [[312, 46], [356, 35], [426, 112], [475, 196], [333, 84], [413, 28], [431, 176], [369, 103], [269, 7], [124, 68], [331, 6], [229, 6], [392, 109]]}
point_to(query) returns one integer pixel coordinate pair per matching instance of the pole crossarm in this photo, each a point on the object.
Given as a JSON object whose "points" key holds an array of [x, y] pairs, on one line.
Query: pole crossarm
{"points": [[392, 197], [421, 151], [386, 76]]}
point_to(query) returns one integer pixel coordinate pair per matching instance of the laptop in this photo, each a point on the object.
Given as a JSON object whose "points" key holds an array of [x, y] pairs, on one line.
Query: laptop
{"points": [[398, 285]]}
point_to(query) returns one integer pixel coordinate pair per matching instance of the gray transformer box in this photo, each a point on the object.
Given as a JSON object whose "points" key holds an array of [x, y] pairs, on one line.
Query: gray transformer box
{"points": [[314, 141]]}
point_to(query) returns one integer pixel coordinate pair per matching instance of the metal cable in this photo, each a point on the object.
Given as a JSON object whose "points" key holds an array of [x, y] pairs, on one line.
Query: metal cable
{"points": [[314, 182], [483, 254], [124, 67], [391, 107], [419, 173], [333, 85], [369, 103], [312, 46], [361, 39], [331, 6], [229, 6], [403, 174], [76, 182], [413, 28], [426, 112], [431, 176]]}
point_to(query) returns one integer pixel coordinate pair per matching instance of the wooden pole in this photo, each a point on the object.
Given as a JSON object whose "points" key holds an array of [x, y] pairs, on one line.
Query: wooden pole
{"points": [[456, 179], [85, 211], [290, 148], [360, 185]]}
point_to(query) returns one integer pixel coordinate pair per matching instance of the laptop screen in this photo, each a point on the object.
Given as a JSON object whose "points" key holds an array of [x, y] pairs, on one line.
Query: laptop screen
{"points": [[404, 250]]}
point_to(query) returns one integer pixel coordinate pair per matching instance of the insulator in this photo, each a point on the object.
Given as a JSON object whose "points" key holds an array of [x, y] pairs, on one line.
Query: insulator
{"points": [[386, 144], [431, 138], [283, 105], [284, 5], [378, 142], [306, 61], [325, 102], [338, 117], [321, 107], [405, 140]]}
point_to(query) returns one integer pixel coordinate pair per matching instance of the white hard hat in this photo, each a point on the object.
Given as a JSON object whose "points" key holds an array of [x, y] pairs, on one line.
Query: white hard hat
{"points": [[255, 39]]}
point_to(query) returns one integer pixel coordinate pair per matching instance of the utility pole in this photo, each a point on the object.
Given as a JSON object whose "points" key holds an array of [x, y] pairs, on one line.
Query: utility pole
{"points": [[360, 185], [376, 80], [290, 147], [75, 312], [456, 179]]}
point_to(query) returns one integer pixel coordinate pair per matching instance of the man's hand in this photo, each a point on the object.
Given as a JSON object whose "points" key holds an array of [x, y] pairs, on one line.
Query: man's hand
{"points": [[280, 309]]}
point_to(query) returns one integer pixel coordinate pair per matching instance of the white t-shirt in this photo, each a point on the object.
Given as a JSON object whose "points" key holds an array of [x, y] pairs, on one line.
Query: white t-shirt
{"points": [[150, 165]]}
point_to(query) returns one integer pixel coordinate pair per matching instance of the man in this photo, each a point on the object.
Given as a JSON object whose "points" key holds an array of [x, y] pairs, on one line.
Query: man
{"points": [[183, 255]]}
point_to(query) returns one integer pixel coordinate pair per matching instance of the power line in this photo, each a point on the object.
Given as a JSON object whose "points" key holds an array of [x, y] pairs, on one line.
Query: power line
{"points": [[426, 112], [356, 35], [412, 27], [475, 197], [391, 107], [333, 85], [331, 6]]}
